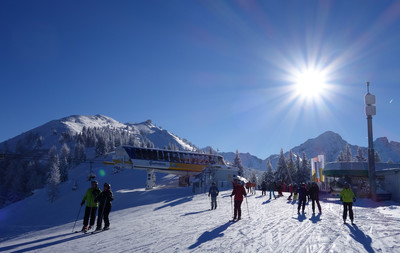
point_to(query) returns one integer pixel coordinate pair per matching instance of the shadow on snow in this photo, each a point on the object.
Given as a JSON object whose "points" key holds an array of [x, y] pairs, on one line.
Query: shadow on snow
{"points": [[211, 235], [43, 245], [315, 218], [360, 237], [186, 214]]}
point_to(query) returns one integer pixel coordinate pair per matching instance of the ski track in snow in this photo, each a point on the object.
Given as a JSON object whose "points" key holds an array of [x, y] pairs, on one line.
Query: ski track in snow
{"points": [[185, 224]]}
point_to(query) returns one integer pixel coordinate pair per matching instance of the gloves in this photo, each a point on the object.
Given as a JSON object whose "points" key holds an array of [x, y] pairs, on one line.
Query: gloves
{"points": [[354, 199], [82, 203], [341, 199]]}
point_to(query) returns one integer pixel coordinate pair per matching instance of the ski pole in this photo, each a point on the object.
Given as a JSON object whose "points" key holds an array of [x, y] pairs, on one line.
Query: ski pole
{"points": [[232, 207], [354, 212], [76, 218], [247, 208]]}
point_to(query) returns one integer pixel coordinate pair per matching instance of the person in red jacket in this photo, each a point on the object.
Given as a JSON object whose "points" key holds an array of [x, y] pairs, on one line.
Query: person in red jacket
{"points": [[238, 191]]}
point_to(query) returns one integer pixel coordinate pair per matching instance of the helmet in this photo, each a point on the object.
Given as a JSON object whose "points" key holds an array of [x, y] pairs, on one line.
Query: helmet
{"points": [[95, 182], [107, 185]]}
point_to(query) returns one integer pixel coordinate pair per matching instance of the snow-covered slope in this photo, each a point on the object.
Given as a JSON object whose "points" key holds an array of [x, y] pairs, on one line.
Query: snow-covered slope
{"points": [[175, 220]]}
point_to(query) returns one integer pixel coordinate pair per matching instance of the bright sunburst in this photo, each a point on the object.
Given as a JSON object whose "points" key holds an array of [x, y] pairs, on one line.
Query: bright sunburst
{"points": [[310, 83]]}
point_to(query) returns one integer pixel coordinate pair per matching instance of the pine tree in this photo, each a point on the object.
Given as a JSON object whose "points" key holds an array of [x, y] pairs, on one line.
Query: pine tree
{"points": [[292, 170], [348, 156], [360, 155], [53, 180], [269, 177], [238, 163], [305, 171], [341, 157], [253, 177], [79, 153], [65, 162], [281, 169], [298, 169]]}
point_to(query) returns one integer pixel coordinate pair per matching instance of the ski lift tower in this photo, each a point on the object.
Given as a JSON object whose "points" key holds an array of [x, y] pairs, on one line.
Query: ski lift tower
{"points": [[370, 110]]}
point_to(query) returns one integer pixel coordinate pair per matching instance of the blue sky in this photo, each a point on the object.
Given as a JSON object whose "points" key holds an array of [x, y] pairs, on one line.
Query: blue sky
{"points": [[217, 73]]}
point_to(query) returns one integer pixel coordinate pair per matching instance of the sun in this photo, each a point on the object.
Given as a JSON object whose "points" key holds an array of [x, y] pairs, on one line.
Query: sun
{"points": [[310, 83]]}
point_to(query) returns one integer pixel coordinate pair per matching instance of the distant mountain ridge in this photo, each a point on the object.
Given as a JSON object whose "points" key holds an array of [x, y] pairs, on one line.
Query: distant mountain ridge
{"points": [[329, 143]]}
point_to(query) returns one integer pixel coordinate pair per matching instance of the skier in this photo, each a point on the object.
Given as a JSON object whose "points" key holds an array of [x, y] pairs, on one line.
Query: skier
{"points": [[280, 189], [263, 188], [302, 197], [91, 205], [238, 191], [314, 194], [272, 189], [295, 190], [213, 192], [104, 198], [248, 186], [291, 192], [347, 197]]}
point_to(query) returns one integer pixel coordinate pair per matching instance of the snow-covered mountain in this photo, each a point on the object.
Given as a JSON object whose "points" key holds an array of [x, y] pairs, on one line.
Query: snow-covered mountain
{"points": [[53, 133]]}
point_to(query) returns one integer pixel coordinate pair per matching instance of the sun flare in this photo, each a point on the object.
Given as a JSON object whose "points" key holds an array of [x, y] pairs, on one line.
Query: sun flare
{"points": [[310, 83]]}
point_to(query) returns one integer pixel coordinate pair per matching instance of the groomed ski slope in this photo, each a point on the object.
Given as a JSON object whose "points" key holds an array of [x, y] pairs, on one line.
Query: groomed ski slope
{"points": [[175, 220]]}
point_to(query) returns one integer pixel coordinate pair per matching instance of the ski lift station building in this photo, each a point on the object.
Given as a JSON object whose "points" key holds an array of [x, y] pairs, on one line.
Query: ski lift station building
{"points": [[212, 167]]}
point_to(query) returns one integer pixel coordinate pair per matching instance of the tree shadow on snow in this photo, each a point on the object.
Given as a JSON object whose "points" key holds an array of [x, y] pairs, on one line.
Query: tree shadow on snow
{"points": [[43, 245], [211, 235], [315, 218], [360, 237]]}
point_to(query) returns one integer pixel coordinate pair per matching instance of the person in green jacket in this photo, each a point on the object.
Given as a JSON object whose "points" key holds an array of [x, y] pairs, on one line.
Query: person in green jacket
{"points": [[91, 206], [347, 197]]}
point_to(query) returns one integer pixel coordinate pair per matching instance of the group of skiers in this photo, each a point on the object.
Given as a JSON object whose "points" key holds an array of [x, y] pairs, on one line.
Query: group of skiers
{"points": [[95, 198], [304, 191]]}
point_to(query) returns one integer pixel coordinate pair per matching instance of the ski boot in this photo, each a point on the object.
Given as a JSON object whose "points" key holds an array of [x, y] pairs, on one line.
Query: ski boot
{"points": [[98, 229]]}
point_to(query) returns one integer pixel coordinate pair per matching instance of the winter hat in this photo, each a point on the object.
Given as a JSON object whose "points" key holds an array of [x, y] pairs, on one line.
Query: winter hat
{"points": [[106, 185], [95, 182]]}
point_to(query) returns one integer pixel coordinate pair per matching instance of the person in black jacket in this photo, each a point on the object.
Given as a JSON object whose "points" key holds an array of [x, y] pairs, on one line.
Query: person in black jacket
{"points": [[213, 192], [302, 191], [314, 195], [104, 199]]}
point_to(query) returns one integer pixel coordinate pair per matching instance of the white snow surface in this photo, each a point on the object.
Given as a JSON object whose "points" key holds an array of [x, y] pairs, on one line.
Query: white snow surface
{"points": [[171, 219]]}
